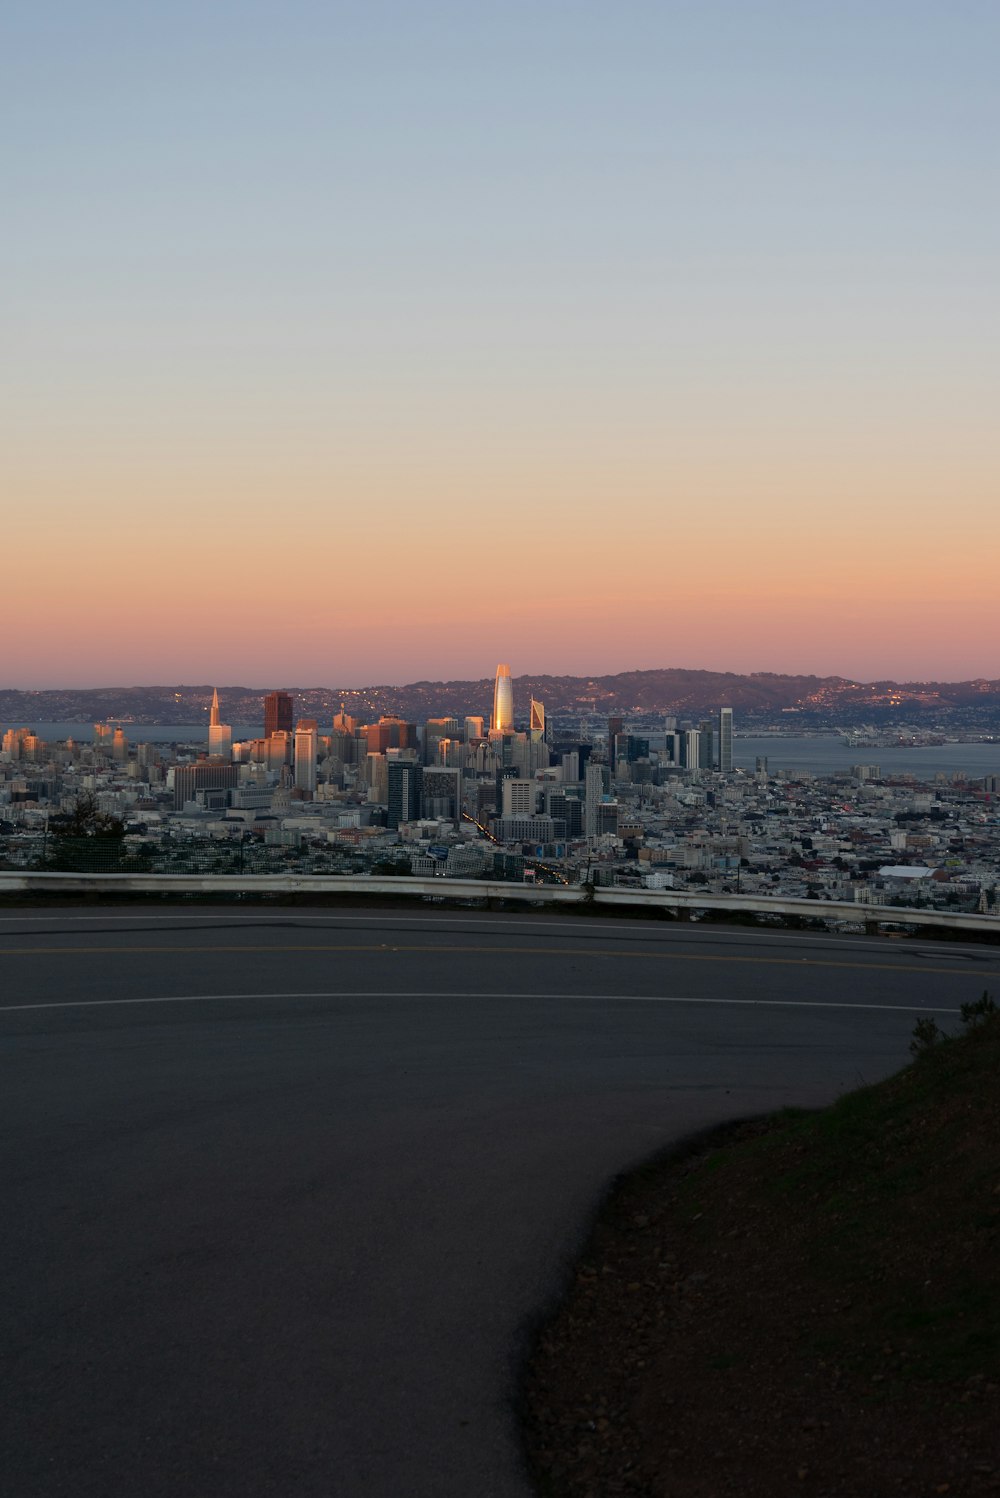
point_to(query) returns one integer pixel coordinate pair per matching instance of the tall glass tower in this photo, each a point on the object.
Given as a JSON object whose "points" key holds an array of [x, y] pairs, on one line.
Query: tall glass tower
{"points": [[503, 702], [726, 740]]}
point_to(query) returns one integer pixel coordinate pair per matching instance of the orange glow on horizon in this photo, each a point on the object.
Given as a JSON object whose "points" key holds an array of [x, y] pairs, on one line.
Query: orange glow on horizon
{"points": [[870, 561]]}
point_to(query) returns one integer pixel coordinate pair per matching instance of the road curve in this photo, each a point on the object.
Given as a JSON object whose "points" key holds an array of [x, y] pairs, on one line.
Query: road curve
{"points": [[283, 1188]]}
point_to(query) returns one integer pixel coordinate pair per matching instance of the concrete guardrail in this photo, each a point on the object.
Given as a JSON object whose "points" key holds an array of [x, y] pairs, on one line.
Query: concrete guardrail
{"points": [[676, 902]]}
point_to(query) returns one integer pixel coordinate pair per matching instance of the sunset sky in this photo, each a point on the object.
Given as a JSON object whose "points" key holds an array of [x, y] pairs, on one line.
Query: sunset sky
{"points": [[376, 341]]}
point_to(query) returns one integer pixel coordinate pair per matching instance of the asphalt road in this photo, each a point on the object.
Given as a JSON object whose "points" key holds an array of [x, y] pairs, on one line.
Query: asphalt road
{"points": [[283, 1190]]}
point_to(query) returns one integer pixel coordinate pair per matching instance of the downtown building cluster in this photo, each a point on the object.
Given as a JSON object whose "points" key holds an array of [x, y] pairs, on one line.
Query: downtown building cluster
{"points": [[653, 803]]}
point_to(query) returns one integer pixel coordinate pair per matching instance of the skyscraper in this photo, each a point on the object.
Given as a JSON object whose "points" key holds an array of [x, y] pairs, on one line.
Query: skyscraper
{"points": [[306, 745], [691, 748], [615, 726], [536, 720], [594, 790], [437, 730], [390, 733], [706, 754], [278, 750], [220, 735], [503, 702], [277, 713], [725, 740], [405, 781]]}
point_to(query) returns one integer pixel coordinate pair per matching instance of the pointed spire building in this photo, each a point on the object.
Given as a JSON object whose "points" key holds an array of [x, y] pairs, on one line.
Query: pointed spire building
{"points": [[220, 735]]}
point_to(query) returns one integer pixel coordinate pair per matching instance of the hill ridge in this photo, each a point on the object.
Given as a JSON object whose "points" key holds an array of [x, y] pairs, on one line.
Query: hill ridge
{"points": [[685, 691]]}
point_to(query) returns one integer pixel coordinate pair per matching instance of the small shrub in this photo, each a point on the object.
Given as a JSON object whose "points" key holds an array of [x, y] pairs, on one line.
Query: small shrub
{"points": [[978, 1010], [926, 1035]]}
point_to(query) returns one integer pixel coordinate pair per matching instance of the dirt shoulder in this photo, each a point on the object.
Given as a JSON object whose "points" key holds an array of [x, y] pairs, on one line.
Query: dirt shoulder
{"points": [[806, 1304]]}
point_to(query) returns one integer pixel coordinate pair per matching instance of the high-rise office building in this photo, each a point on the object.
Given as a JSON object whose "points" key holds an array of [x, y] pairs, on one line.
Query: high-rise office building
{"points": [[278, 749], [441, 794], [567, 811], [119, 746], [436, 730], [376, 778], [725, 740], [390, 733], [449, 752], [570, 762], [475, 728], [631, 747], [342, 747], [503, 702], [607, 819], [595, 787], [277, 713], [519, 798], [306, 747], [615, 726], [691, 748], [206, 774], [504, 772], [536, 720], [706, 754], [220, 735], [405, 782], [527, 753]]}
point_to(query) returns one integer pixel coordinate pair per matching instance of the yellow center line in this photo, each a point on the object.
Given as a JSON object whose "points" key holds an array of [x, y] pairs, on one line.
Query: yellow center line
{"points": [[389, 948]]}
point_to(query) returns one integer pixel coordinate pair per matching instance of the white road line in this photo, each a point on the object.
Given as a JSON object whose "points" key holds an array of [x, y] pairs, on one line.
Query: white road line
{"points": [[598, 998], [720, 934]]}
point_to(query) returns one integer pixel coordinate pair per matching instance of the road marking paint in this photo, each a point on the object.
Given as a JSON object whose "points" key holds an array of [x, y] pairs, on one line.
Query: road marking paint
{"points": [[364, 993], [439, 949]]}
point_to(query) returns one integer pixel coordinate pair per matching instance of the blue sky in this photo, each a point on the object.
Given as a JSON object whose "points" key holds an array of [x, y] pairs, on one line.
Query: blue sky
{"points": [[348, 257]]}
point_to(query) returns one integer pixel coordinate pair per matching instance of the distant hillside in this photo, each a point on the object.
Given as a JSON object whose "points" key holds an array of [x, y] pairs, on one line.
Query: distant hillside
{"points": [[669, 690]]}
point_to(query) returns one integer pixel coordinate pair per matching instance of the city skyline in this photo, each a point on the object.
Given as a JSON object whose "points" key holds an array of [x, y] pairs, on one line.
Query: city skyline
{"points": [[666, 330], [526, 700], [648, 800]]}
